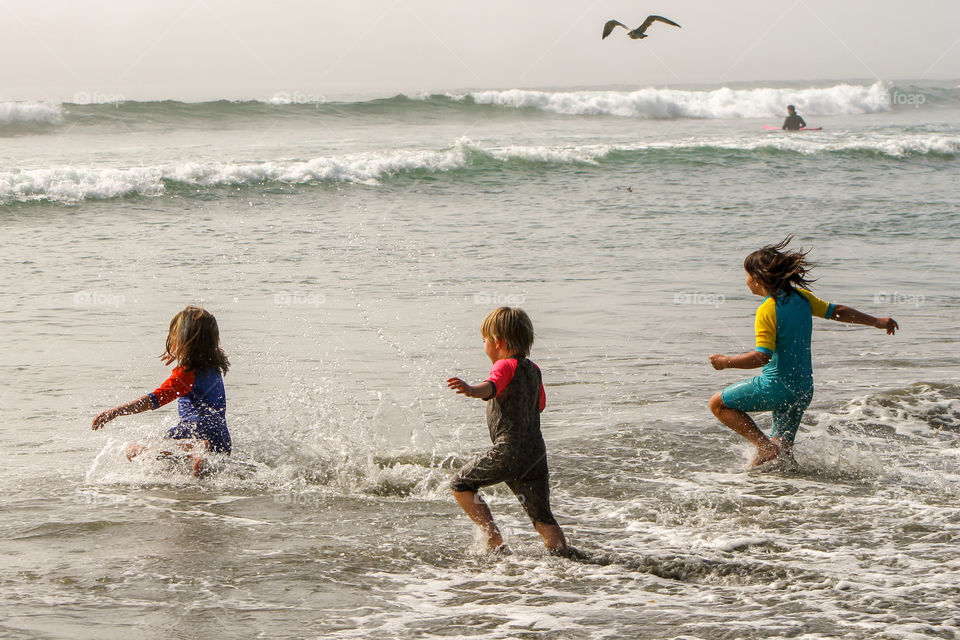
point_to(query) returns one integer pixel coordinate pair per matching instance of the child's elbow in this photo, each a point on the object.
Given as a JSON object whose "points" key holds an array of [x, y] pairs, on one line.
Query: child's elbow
{"points": [[840, 312]]}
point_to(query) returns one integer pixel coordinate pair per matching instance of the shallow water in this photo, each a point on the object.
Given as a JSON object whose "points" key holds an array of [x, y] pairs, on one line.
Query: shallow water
{"points": [[350, 253]]}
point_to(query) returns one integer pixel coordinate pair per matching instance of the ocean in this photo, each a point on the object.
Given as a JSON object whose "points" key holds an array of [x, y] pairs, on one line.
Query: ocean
{"points": [[350, 250]]}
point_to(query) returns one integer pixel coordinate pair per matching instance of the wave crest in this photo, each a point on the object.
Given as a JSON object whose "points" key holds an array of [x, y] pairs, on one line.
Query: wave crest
{"points": [[73, 184], [843, 99], [30, 113]]}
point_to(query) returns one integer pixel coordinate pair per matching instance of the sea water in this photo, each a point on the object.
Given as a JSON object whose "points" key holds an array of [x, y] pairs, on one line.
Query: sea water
{"points": [[350, 250]]}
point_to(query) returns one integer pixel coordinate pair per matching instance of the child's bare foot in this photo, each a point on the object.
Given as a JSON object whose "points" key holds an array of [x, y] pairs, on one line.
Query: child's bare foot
{"points": [[570, 553], [765, 453], [134, 449], [786, 450], [495, 542], [198, 466]]}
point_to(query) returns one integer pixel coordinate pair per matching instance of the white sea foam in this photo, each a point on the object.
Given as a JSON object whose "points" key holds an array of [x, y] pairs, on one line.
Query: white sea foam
{"points": [[677, 103], [72, 184], [735, 543], [920, 144], [30, 112], [69, 184]]}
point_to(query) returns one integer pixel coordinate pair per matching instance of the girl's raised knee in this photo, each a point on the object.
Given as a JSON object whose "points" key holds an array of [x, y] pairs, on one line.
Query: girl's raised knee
{"points": [[716, 404]]}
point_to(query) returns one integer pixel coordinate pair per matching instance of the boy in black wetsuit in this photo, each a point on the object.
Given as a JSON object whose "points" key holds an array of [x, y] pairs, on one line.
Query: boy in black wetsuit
{"points": [[793, 121], [515, 398]]}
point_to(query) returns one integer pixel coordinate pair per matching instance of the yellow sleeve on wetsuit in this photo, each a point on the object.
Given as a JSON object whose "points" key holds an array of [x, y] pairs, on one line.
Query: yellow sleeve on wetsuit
{"points": [[766, 326], [818, 307]]}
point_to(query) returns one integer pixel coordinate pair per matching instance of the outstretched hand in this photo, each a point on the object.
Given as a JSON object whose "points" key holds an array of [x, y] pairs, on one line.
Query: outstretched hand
{"points": [[889, 324], [458, 385], [103, 418], [719, 361], [482, 390]]}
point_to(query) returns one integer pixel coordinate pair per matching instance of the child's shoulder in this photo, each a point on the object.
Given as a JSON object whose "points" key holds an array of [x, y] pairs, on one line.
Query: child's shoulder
{"points": [[515, 360], [204, 373], [510, 364], [767, 303], [522, 361]]}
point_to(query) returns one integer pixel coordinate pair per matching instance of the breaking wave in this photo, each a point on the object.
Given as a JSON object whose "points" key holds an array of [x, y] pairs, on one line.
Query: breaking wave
{"points": [[78, 183], [642, 103], [30, 113], [843, 99]]}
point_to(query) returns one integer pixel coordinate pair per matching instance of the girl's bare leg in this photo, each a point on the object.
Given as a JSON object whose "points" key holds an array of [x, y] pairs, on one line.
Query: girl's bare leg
{"points": [[196, 449], [553, 537], [743, 424], [475, 507]]}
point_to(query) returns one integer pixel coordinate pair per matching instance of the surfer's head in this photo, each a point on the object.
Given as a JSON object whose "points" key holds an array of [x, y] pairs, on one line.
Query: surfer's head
{"points": [[194, 340], [511, 325], [775, 269], [791, 109]]}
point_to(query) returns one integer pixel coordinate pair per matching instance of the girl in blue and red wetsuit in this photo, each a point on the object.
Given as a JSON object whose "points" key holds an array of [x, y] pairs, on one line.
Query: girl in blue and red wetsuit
{"points": [[194, 342], [783, 327]]}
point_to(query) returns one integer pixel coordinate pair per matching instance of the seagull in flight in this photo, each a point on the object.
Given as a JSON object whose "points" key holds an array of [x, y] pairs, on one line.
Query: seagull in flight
{"points": [[639, 32]]}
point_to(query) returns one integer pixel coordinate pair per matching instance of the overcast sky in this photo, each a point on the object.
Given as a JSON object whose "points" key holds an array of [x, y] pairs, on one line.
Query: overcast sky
{"points": [[199, 49]]}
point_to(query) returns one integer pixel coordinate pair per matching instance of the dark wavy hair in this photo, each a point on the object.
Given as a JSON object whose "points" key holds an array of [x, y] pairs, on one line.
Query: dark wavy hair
{"points": [[194, 338], [780, 270]]}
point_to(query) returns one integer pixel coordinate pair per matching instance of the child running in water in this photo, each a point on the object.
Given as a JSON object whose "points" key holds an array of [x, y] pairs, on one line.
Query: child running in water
{"points": [[783, 328], [515, 397], [194, 342]]}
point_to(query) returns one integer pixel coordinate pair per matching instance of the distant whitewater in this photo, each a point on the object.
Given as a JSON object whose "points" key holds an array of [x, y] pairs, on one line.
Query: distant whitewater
{"points": [[841, 99], [644, 103]]}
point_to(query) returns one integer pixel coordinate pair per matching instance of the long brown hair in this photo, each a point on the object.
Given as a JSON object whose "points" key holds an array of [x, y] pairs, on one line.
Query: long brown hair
{"points": [[778, 270], [195, 337]]}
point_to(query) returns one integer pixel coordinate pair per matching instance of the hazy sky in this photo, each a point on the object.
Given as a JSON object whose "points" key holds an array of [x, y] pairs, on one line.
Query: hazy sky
{"points": [[193, 49]]}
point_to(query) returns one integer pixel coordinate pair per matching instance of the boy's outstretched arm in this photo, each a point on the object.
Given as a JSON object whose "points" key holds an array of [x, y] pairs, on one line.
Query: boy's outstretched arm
{"points": [[750, 360], [484, 390], [139, 405], [843, 313]]}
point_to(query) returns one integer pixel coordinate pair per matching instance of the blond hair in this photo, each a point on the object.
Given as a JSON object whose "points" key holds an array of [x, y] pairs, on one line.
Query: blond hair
{"points": [[512, 326]]}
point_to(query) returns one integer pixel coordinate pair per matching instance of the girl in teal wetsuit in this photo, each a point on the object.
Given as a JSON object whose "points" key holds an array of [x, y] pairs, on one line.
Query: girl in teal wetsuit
{"points": [[783, 327]]}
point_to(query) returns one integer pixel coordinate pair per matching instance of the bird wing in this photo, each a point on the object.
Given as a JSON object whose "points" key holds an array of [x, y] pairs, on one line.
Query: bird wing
{"points": [[611, 25], [651, 19]]}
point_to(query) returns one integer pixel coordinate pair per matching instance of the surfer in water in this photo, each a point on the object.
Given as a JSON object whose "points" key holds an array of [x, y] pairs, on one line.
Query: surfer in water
{"points": [[793, 121], [515, 397], [783, 327], [193, 341]]}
